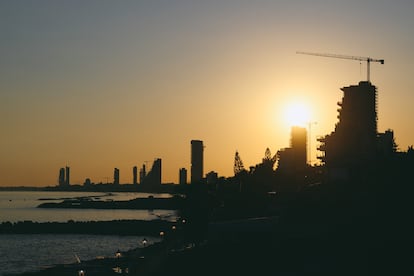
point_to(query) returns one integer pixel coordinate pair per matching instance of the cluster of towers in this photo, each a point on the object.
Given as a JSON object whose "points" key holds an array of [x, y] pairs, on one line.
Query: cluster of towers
{"points": [[153, 177], [354, 143]]}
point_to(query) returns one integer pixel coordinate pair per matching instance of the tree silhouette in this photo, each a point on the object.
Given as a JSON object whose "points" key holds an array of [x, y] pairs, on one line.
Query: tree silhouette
{"points": [[238, 164]]}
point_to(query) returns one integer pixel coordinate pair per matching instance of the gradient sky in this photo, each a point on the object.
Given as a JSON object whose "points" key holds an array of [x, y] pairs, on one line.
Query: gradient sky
{"points": [[101, 84]]}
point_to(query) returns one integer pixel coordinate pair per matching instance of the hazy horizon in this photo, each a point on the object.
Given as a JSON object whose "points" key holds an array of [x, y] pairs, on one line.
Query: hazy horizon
{"points": [[102, 84]]}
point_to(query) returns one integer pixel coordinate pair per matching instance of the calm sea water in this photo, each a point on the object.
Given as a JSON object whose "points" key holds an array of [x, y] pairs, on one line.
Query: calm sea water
{"points": [[24, 253], [21, 253]]}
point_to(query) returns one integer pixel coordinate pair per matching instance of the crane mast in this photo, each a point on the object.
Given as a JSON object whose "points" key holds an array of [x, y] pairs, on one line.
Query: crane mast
{"points": [[367, 59]]}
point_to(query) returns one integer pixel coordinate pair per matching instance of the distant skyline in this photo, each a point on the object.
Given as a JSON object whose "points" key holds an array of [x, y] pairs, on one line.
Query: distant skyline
{"points": [[99, 85]]}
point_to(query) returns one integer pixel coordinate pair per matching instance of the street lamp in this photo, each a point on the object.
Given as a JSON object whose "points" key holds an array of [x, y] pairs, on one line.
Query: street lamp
{"points": [[118, 254], [309, 143], [144, 242], [118, 268]]}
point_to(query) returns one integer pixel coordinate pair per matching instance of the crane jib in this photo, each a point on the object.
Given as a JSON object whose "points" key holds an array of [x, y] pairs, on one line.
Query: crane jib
{"points": [[367, 59]]}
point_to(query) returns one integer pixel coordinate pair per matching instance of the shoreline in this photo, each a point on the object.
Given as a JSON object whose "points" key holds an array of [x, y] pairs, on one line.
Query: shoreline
{"points": [[101, 266], [256, 245], [142, 260], [113, 227]]}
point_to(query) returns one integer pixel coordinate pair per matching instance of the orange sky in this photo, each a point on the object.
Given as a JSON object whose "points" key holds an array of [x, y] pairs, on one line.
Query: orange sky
{"points": [[96, 86]]}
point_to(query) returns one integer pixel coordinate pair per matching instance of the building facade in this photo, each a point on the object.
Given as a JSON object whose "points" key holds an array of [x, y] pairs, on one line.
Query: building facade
{"points": [[294, 158], [62, 177], [67, 176], [153, 178], [197, 156], [353, 142], [135, 175], [116, 176], [182, 176]]}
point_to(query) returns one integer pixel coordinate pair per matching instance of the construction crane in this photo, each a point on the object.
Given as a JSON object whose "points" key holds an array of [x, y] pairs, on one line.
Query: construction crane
{"points": [[367, 59]]}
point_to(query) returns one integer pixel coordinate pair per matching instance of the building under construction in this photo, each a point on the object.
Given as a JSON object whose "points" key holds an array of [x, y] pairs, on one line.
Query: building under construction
{"points": [[354, 143]]}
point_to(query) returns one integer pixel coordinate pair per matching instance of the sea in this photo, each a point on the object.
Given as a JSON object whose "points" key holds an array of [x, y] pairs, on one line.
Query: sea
{"points": [[32, 252]]}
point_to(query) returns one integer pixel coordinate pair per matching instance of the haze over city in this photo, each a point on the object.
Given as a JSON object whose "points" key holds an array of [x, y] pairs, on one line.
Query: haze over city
{"points": [[102, 84]]}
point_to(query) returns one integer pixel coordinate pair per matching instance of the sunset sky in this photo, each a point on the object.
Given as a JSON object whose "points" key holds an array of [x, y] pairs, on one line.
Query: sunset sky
{"points": [[102, 84]]}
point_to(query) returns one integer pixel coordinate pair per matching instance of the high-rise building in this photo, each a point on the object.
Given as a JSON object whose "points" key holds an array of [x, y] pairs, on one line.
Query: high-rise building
{"points": [[197, 152], [116, 176], [153, 178], [293, 159], [67, 180], [62, 177], [135, 175], [353, 142], [142, 174], [182, 176], [156, 172], [298, 145]]}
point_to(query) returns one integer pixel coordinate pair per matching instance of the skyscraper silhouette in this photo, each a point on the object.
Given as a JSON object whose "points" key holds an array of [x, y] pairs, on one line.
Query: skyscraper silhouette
{"points": [[142, 174], [182, 176], [153, 178], [197, 152], [62, 177], [116, 176], [135, 175], [293, 159], [67, 180], [298, 145], [353, 143]]}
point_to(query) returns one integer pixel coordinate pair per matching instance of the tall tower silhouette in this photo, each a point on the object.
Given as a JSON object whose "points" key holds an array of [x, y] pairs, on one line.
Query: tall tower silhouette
{"points": [[67, 180], [293, 159], [153, 178], [135, 175], [116, 176], [182, 176], [353, 142], [298, 145], [62, 177], [197, 155]]}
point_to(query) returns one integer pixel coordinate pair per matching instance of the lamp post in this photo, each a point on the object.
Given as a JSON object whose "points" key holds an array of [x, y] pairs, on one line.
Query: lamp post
{"points": [[144, 242], [118, 268], [309, 143]]}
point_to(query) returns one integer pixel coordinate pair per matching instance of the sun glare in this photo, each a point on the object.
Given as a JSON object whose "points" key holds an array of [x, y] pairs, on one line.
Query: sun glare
{"points": [[296, 114]]}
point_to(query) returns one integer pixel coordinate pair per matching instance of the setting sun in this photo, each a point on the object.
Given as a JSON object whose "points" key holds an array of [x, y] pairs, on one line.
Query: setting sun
{"points": [[296, 114]]}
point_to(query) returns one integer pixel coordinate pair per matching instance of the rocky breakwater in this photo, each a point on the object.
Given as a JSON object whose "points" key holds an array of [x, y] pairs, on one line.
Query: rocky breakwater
{"points": [[149, 203]]}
